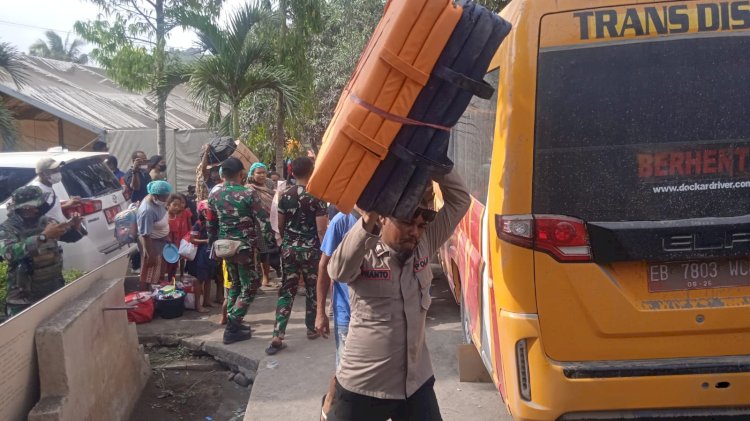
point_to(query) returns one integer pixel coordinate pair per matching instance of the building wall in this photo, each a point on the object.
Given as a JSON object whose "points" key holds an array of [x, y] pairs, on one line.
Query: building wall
{"points": [[40, 135]]}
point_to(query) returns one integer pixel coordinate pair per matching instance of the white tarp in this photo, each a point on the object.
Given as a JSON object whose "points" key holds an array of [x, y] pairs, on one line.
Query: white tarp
{"points": [[183, 151]]}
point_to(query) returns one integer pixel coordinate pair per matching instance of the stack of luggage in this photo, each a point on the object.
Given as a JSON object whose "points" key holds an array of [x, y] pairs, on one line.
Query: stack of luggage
{"points": [[389, 134]]}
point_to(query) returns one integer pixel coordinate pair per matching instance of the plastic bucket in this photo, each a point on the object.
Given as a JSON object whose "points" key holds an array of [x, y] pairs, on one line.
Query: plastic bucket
{"points": [[171, 308]]}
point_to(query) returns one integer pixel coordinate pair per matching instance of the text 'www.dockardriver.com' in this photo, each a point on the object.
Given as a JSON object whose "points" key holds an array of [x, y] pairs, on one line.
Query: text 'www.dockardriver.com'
{"points": [[714, 185]]}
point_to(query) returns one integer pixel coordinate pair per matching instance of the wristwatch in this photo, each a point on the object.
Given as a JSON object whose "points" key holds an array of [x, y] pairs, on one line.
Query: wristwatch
{"points": [[42, 238]]}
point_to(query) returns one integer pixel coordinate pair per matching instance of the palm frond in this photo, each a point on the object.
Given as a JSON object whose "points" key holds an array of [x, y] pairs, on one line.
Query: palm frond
{"points": [[10, 65], [175, 73], [55, 44], [8, 128], [39, 48], [270, 77], [207, 84], [82, 59]]}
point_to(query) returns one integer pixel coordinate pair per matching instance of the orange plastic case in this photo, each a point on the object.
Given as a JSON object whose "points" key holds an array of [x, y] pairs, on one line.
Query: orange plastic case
{"points": [[393, 69]]}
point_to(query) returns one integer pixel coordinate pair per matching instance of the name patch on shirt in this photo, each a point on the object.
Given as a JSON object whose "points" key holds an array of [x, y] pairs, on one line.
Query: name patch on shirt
{"points": [[420, 264], [376, 274]]}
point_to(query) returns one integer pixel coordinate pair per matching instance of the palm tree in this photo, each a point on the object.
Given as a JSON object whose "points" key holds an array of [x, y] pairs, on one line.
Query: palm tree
{"points": [[10, 69], [300, 20], [55, 48], [237, 64]]}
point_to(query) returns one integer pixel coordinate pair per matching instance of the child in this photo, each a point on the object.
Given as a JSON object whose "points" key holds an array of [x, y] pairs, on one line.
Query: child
{"points": [[179, 227], [203, 268]]}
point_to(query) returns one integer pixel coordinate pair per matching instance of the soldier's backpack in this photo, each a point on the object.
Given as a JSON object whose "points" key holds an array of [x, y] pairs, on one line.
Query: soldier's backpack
{"points": [[126, 224]]}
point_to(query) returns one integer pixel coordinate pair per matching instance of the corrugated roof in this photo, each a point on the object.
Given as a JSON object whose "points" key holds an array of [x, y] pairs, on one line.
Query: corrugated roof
{"points": [[86, 97]]}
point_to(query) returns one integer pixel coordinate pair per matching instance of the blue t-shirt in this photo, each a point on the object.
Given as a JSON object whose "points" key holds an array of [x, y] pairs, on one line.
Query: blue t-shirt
{"points": [[339, 226]]}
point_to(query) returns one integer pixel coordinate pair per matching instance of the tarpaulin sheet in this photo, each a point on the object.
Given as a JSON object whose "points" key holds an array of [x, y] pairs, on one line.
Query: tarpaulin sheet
{"points": [[183, 151]]}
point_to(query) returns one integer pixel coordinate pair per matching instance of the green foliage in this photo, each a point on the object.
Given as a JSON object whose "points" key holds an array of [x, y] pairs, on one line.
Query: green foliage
{"points": [[11, 69], [260, 142], [334, 53], [126, 58], [71, 275], [10, 65], [238, 64], [323, 52], [131, 37], [128, 37], [55, 48]]}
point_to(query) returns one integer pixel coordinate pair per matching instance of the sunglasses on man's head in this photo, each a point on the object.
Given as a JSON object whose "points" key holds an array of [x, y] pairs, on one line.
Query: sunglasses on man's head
{"points": [[428, 215]]}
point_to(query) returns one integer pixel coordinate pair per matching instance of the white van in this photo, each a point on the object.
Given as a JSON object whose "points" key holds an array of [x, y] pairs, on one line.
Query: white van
{"points": [[84, 175]]}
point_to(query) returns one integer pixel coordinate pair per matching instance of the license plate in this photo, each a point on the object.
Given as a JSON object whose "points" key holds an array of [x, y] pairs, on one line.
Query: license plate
{"points": [[681, 276], [110, 213]]}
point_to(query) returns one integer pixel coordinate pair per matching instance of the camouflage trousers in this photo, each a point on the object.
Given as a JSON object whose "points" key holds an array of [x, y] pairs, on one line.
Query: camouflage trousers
{"points": [[294, 264], [245, 279]]}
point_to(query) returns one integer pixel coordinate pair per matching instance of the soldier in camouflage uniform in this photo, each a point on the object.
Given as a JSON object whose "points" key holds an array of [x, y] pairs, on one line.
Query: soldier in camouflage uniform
{"points": [[234, 212], [28, 243], [302, 224]]}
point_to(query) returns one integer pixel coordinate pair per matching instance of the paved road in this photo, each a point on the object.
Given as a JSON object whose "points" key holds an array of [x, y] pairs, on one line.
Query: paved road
{"points": [[293, 389]]}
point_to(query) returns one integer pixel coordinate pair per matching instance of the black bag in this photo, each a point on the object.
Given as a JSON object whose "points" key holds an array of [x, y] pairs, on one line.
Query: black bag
{"points": [[220, 149]]}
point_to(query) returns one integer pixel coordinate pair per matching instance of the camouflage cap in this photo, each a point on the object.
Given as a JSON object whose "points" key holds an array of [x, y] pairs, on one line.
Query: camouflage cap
{"points": [[28, 196]]}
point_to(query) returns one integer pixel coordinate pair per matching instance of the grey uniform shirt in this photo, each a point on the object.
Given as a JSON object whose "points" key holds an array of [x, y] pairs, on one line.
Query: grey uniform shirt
{"points": [[385, 354]]}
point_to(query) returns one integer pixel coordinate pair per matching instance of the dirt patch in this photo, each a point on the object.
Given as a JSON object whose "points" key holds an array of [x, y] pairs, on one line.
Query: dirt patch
{"points": [[189, 394]]}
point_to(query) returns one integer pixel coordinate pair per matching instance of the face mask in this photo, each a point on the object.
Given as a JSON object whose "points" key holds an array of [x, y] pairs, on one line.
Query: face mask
{"points": [[55, 178], [162, 168], [160, 203], [144, 167]]}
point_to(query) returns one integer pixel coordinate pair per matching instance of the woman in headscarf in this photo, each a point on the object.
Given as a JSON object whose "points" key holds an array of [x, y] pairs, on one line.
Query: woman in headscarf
{"points": [[157, 167], [257, 180], [153, 231]]}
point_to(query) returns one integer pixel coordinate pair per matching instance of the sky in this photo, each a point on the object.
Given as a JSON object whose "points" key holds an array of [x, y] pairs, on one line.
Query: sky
{"points": [[22, 22]]}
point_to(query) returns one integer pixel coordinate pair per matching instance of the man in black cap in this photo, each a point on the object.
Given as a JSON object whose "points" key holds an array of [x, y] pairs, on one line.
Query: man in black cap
{"points": [[235, 217], [28, 242]]}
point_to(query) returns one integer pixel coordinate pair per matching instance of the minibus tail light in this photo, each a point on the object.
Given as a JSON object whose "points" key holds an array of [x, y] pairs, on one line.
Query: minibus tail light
{"points": [[516, 229], [564, 238]]}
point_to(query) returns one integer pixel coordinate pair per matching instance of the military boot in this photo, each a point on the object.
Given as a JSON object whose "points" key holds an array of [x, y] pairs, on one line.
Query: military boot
{"points": [[233, 332]]}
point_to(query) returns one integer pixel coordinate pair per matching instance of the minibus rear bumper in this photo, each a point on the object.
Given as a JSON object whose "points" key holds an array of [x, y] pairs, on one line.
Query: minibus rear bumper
{"points": [[543, 391]]}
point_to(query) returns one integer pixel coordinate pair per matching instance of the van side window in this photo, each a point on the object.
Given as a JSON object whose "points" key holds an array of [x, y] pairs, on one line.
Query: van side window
{"points": [[470, 146], [12, 179], [88, 177]]}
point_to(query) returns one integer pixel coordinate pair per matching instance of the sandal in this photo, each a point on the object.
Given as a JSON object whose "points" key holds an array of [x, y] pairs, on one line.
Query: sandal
{"points": [[323, 415], [273, 349], [313, 334]]}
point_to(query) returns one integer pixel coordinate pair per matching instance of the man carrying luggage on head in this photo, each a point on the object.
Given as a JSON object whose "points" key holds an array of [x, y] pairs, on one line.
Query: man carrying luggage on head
{"points": [[385, 370]]}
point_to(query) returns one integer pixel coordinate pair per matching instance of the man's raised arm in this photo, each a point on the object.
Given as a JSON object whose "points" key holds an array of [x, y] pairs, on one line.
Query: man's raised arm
{"points": [[456, 201]]}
